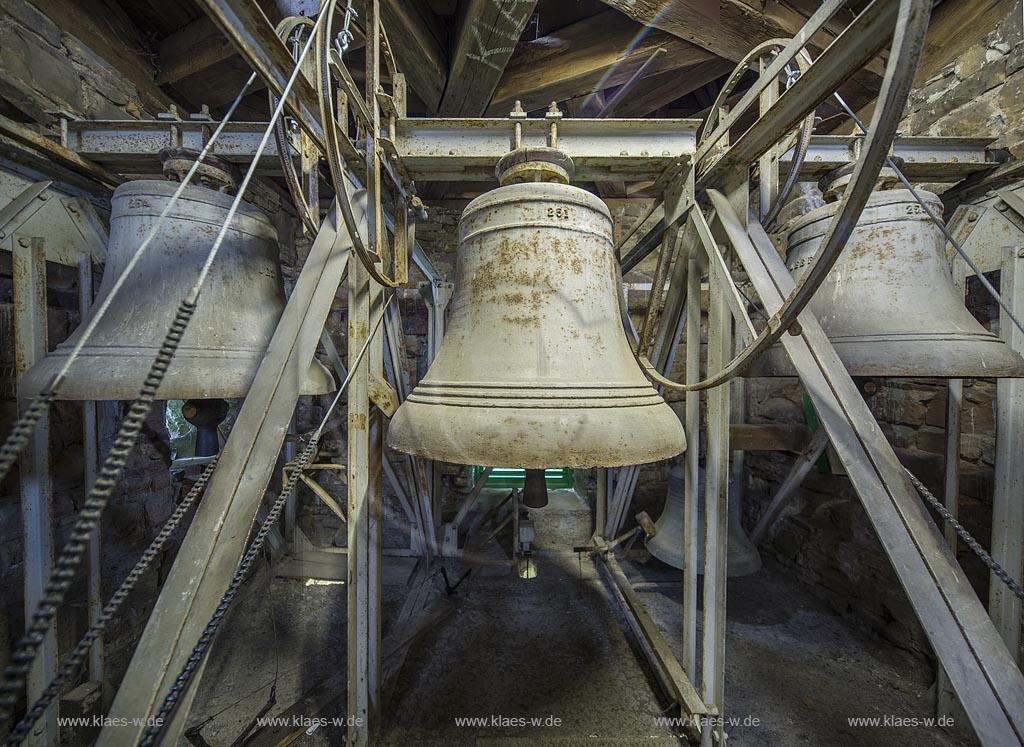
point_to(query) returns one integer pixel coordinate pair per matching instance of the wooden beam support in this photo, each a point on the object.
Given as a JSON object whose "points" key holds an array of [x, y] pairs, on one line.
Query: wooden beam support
{"points": [[738, 29], [656, 91], [413, 32], [596, 53], [195, 48], [770, 437], [487, 38]]}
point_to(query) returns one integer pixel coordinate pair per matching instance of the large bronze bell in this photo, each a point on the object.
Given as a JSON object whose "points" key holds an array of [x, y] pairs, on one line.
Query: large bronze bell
{"points": [[535, 370], [889, 305], [742, 557], [238, 309]]}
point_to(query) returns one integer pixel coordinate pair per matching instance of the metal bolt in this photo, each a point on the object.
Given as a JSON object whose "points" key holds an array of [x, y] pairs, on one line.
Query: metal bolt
{"points": [[972, 217], [23, 242], [44, 197], [1020, 253], [72, 208], [3, 235]]}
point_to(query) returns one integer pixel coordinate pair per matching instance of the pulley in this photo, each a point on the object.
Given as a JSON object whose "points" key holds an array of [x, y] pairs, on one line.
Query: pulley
{"points": [[535, 370], [237, 312]]}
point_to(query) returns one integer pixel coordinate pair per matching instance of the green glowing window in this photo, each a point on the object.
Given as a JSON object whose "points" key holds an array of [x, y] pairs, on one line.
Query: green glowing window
{"points": [[503, 477]]}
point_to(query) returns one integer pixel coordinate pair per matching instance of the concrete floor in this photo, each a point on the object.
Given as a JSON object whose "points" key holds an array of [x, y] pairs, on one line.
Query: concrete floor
{"points": [[553, 648]]}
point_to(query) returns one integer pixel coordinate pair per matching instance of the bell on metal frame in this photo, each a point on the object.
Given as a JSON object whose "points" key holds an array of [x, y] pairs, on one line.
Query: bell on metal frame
{"points": [[237, 313], [742, 557], [889, 305], [534, 370]]}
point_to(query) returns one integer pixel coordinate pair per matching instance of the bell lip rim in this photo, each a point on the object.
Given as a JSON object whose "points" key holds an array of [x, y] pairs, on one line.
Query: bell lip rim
{"points": [[776, 365], [655, 449], [317, 379]]}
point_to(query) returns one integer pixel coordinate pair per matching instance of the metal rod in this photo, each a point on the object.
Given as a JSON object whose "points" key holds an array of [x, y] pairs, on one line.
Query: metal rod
{"points": [[30, 338]]}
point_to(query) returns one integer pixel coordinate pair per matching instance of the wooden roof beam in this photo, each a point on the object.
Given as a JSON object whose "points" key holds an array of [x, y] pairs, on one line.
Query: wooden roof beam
{"points": [[414, 33], [488, 34], [656, 91], [598, 52]]}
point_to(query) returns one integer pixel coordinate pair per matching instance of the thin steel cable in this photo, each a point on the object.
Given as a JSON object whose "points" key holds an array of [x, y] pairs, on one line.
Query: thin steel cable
{"points": [[938, 222], [22, 431]]}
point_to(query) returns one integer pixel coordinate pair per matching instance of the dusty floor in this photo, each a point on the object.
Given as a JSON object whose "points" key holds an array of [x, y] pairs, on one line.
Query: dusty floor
{"points": [[552, 649]]}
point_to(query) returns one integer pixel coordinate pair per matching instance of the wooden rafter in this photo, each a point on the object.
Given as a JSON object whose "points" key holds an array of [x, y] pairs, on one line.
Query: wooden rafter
{"points": [[487, 38], [592, 54], [652, 93], [414, 33]]}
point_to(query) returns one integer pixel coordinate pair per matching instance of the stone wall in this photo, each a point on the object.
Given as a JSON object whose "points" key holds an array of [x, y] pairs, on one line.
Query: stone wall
{"points": [[46, 72], [825, 535]]}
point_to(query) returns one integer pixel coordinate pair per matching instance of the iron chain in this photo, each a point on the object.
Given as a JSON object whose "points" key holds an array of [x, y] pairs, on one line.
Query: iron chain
{"points": [[66, 567], [972, 543], [152, 733], [76, 658]]}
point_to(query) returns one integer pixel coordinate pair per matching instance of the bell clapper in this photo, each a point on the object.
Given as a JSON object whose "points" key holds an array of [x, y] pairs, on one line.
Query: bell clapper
{"points": [[535, 489], [205, 415]]}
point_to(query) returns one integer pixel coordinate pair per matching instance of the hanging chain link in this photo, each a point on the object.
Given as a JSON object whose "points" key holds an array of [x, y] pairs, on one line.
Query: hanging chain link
{"points": [[66, 567], [22, 431], [70, 666], [345, 36], [972, 543], [181, 683], [151, 735]]}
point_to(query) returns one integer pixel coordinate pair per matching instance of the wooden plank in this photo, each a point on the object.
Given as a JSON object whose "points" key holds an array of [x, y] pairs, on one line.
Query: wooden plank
{"points": [[587, 56], [412, 33], [195, 48], [487, 38], [789, 486], [738, 28], [656, 91], [671, 676], [769, 437]]}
